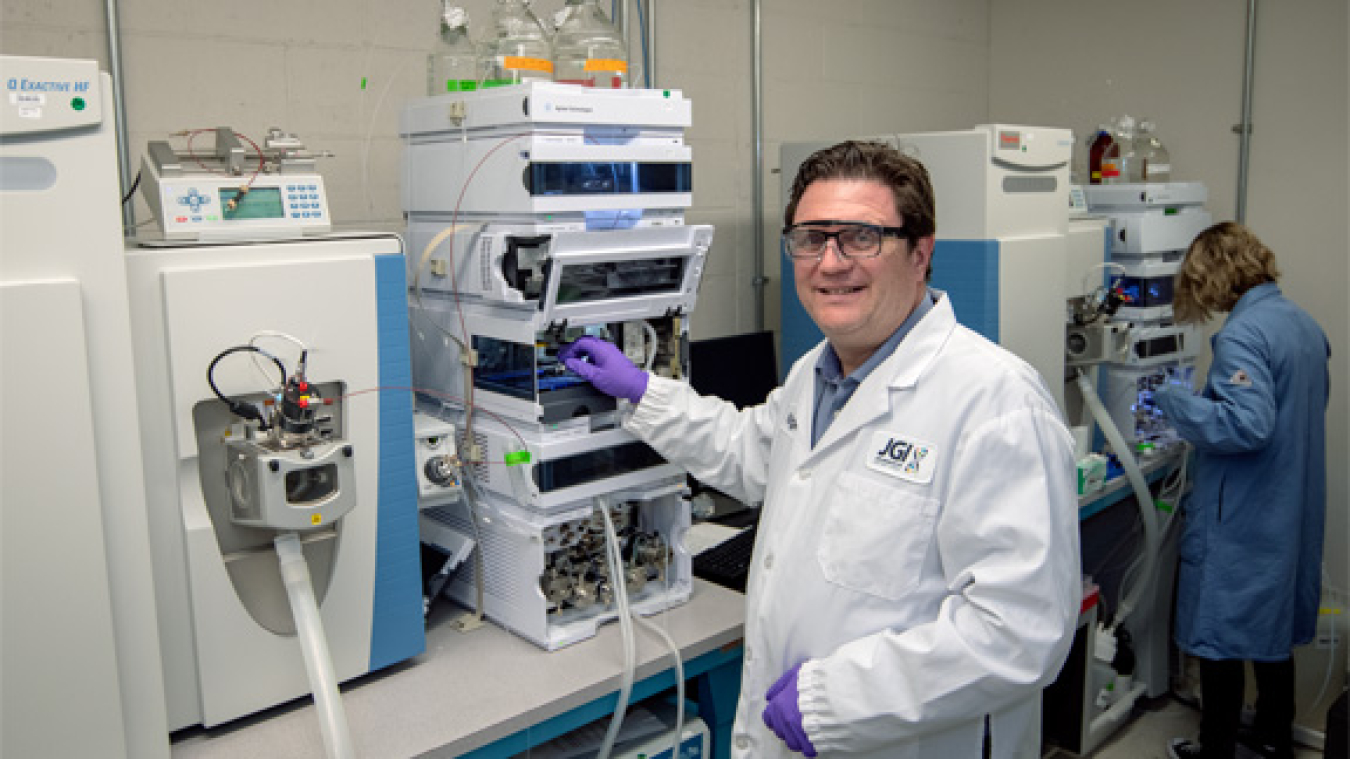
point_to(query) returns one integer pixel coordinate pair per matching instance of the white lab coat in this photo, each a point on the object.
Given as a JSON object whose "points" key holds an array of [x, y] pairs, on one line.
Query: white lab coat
{"points": [[921, 598]]}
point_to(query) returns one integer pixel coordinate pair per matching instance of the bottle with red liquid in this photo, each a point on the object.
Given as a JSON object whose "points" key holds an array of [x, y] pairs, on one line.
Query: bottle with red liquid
{"points": [[1096, 150]]}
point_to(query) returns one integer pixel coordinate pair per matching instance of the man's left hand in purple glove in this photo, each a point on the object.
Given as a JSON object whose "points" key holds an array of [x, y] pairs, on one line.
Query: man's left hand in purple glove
{"points": [[604, 366], [784, 717]]}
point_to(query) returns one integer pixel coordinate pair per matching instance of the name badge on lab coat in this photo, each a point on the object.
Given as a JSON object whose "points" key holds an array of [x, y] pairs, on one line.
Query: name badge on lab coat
{"points": [[902, 456]]}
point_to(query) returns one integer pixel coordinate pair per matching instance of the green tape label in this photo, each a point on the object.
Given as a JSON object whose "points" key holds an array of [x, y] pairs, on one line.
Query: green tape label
{"points": [[518, 457]]}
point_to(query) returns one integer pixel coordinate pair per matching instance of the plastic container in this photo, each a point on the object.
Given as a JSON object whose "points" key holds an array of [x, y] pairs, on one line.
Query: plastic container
{"points": [[1155, 162], [453, 65], [587, 49], [521, 50]]}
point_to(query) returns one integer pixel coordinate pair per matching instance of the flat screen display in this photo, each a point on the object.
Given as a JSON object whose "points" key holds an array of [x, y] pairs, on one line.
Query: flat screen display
{"points": [[257, 203], [607, 178], [1146, 292]]}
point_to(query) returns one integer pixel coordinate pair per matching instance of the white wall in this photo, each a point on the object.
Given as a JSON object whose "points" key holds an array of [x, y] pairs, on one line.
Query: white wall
{"points": [[847, 67], [1077, 64], [843, 67]]}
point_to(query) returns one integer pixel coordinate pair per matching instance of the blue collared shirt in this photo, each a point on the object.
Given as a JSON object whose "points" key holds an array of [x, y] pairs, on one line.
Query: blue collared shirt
{"points": [[833, 389]]}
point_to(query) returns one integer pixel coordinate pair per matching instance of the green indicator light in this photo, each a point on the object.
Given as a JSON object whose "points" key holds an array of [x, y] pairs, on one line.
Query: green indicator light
{"points": [[363, 82], [517, 458], [666, 93], [77, 104]]}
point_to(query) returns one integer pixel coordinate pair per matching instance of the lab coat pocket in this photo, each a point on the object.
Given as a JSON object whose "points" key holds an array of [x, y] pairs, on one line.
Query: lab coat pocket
{"points": [[876, 536]]}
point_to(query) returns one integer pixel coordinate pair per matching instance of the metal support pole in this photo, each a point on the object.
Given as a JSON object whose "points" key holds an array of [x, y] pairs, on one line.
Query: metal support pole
{"points": [[757, 111], [120, 116], [651, 42], [1244, 129]]}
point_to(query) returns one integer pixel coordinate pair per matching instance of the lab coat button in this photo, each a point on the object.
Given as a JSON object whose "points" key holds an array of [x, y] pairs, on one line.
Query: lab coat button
{"points": [[742, 742], [768, 561], [803, 474]]}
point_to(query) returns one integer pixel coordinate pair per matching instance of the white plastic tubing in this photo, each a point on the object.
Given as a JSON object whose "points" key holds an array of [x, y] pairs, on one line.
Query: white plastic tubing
{"points": [[626, 619], [337, 739], [625, 626], [1143, 495]]}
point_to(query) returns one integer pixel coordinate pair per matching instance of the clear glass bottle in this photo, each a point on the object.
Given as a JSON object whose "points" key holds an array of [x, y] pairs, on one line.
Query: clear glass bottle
{"points": [[1155, 162], [453, 65], [521, 50], [588, 49]]}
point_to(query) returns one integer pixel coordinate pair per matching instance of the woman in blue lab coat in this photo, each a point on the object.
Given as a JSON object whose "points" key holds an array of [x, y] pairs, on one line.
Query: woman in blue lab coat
{"points": [[1249, 581]]}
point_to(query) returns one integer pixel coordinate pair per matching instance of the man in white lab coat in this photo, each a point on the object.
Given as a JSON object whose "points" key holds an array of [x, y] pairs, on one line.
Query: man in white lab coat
{"points": [[916, 574]]}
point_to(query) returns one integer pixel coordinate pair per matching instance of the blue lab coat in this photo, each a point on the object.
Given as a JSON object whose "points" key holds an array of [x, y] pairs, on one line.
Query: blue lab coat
{"points": [[1249, 581]]}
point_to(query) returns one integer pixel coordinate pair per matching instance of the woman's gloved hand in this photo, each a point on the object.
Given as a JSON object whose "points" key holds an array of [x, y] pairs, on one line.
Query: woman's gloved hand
{"points": [[604, 365], [784, 717]]}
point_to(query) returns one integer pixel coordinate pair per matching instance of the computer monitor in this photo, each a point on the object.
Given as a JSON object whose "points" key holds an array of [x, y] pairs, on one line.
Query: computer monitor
{"points": [[742, 369]]}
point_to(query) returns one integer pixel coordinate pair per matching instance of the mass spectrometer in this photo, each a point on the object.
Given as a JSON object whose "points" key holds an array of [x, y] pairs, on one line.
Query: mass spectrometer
{"points": [[79, 634], [273, 387]]}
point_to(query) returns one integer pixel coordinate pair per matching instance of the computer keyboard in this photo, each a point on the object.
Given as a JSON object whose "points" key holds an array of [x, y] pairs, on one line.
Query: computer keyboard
{"points": [[728, 562]]}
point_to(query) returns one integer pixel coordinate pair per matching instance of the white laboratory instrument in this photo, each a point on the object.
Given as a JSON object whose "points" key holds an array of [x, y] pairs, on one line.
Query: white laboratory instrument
{"points": [[538, 213], [544, 148], [220, 332], [546, 576], [1001, 192], [230, 189], [438, 465], [79, 634], [1152, 225]]}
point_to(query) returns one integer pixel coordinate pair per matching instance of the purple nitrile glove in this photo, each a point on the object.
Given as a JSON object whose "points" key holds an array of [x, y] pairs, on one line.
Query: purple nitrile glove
{"points": [[604, 365], [784, 717]]}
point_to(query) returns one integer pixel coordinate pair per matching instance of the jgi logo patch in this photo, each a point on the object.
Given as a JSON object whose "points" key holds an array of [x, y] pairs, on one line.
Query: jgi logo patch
{"points": [[902, 456]]}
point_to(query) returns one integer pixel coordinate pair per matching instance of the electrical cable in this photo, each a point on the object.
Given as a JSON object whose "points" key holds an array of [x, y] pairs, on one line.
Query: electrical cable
{"points": [[239, 408], [252, 341], [134, 186]]}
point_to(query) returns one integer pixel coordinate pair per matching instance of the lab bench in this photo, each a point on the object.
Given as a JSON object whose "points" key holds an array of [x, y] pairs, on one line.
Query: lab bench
{"points": [[1118, 488], [488, 693]]}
